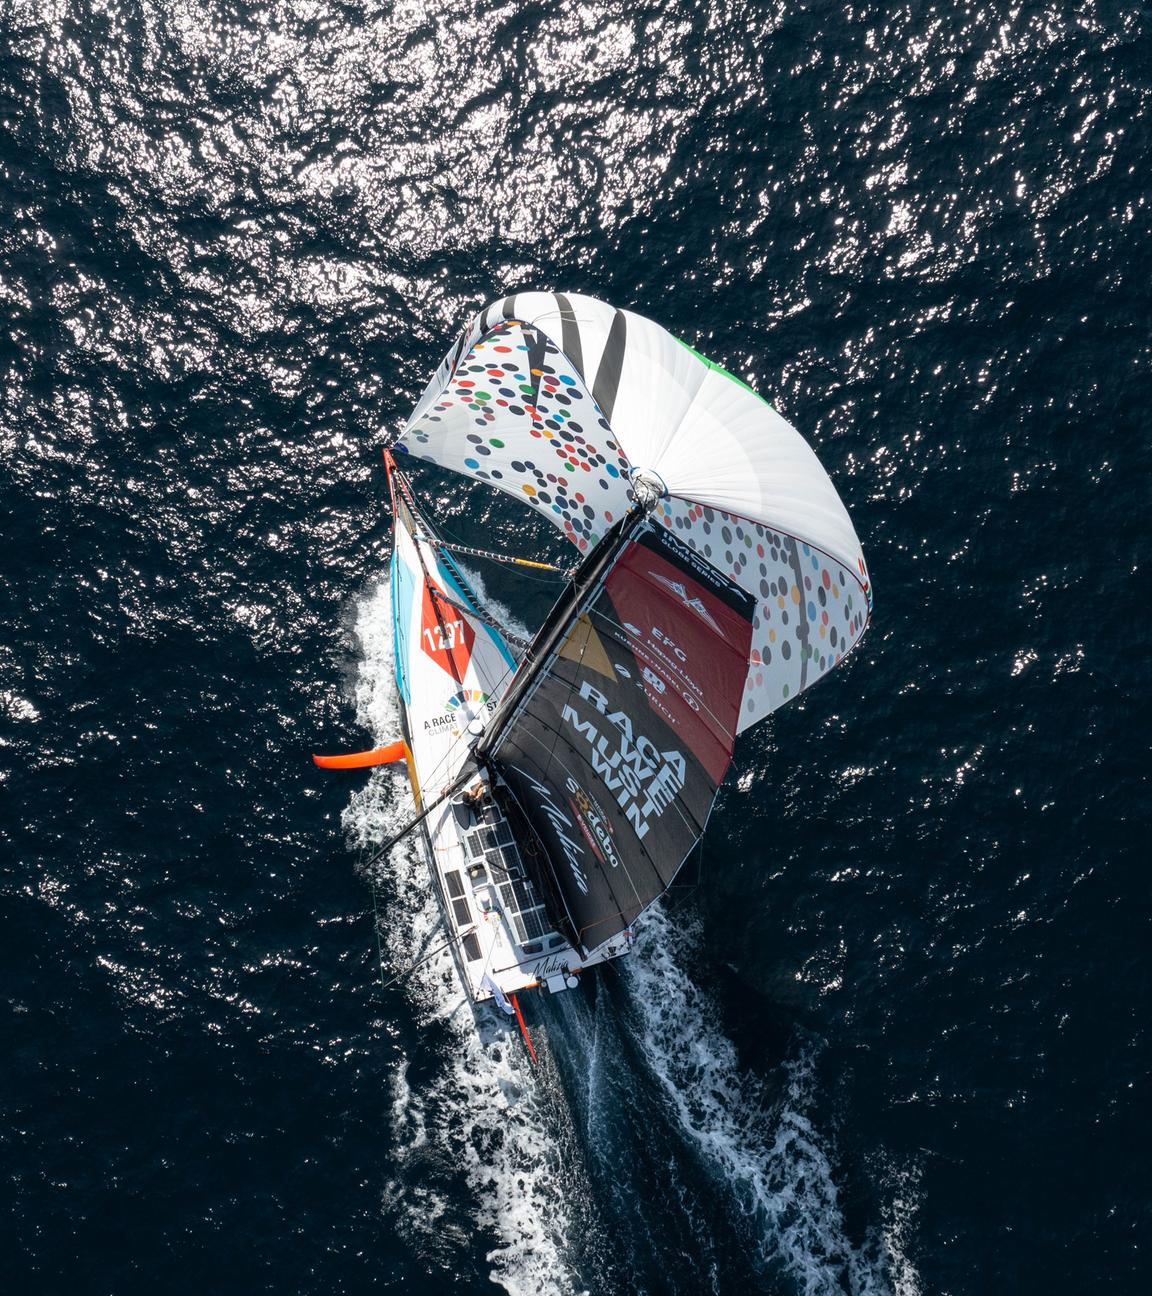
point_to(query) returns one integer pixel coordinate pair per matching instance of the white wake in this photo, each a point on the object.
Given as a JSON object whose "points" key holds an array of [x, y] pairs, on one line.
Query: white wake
{"points": [[480, 1114], [769, 1155]]}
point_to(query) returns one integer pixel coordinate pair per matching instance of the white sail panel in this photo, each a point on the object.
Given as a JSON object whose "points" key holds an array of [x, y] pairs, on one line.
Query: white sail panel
{"points": [[810, 609]]}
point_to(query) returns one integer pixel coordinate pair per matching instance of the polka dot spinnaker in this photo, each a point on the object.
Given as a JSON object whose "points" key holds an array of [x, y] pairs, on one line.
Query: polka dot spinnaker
{"points": [[557, 399]]}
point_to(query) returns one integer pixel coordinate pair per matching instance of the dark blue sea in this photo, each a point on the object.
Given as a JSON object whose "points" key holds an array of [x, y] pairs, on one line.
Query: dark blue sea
{"points": [[894, 1040]]}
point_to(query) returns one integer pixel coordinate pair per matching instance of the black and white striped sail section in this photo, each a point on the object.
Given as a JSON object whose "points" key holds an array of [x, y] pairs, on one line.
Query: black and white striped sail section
{"points": [[558, 399]]}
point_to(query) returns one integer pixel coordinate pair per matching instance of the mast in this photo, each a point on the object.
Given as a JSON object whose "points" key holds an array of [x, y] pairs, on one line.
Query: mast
{"points": [[396, 477]]}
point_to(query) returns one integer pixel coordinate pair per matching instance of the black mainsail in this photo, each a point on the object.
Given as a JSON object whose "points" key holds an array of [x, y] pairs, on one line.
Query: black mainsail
{"points": [[617, 735]]}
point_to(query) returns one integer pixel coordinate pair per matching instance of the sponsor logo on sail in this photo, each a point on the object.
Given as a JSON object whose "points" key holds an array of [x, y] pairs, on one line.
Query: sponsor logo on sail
{"points": [[653, 680], [695, 604], [460, 708], [593, 823], [644, 780], [562, 827]]}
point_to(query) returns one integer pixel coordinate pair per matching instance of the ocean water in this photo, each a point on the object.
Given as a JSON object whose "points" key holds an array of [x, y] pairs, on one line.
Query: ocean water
{"points": [[894, 1038]]}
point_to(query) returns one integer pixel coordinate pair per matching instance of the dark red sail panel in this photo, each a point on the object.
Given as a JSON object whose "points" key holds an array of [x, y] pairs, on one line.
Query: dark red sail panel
{"points": [[691, 639]]}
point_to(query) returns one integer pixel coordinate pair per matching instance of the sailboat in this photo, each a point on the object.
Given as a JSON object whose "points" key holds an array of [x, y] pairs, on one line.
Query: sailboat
{"points": [[562, 784]]}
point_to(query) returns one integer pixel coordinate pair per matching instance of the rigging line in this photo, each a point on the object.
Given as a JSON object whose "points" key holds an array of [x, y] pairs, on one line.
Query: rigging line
{"points": [[496, 557], [452, 940], [676, 902], [440, 597], [469, 593], [550, 580], [427, 810], [457, 545]]}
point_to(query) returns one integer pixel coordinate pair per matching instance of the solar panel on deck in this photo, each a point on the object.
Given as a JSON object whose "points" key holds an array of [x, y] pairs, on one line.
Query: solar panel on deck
{"points": [[462, 912], [455, 884], [471, 947], [494, 844]]}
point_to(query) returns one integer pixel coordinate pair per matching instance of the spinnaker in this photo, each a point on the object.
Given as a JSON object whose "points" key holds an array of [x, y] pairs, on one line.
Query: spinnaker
{"points": [[728, 578]]}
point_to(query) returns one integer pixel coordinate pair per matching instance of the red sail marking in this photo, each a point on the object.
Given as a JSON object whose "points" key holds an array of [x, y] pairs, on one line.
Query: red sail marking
{"points": [[445, 635], [695, 647]]}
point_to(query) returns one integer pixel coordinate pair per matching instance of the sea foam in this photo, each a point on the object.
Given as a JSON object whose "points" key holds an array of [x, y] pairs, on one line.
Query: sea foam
{"points": [[479, 1113]]}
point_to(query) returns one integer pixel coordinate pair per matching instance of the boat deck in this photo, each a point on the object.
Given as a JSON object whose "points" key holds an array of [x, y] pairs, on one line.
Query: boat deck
{"points": [[502, 926], [452, 668]]}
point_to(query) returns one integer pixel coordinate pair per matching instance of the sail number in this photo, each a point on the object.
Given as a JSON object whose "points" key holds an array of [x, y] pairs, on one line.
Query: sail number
{"points": [[445, 637]]}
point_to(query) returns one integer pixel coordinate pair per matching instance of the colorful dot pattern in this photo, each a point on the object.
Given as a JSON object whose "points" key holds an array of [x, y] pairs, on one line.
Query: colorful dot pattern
{"points": [[810, 609], [533, 431]]}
